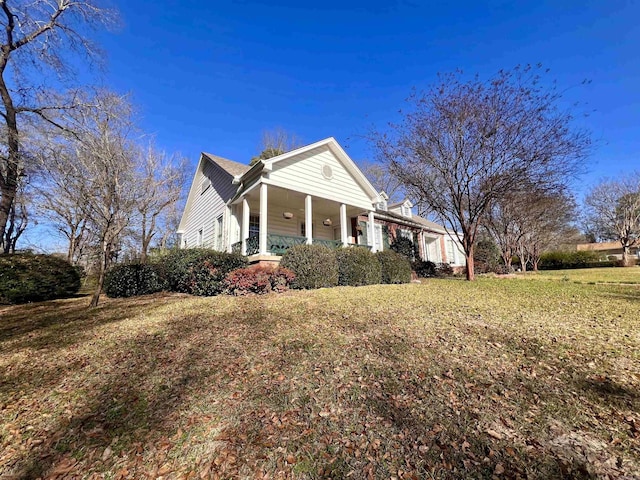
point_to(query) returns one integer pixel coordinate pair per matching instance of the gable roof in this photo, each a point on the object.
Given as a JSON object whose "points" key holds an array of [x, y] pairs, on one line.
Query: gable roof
{"points": [[232, 168], [342, 157]]}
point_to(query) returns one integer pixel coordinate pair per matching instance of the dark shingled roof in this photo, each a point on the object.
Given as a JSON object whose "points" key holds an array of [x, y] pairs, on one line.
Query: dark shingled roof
{"points": [[232, 168]]}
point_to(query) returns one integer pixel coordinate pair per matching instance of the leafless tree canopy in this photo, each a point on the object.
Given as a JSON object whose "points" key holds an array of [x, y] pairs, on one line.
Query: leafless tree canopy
{"points": [[276, 142], [382, 180], [613, 211], [527, 222], [464, 144], [39, 37]]}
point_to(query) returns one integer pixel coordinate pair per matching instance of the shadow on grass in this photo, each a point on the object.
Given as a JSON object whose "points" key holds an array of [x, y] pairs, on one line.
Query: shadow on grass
{"points": [[147, 385]]}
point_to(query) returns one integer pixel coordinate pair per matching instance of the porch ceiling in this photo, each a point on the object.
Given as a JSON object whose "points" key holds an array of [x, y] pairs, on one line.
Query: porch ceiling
{"points": [[294, 202]]}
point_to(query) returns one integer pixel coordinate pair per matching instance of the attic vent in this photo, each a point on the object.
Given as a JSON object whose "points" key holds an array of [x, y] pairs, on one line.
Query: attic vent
{"points": [[327, 172], [205, 185]]}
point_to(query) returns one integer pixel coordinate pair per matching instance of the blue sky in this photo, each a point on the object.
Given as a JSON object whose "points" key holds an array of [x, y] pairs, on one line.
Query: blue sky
{"points": [[212, 76]]}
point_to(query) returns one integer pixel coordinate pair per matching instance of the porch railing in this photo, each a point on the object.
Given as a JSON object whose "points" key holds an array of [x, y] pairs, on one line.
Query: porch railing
{"points": [[279, 244]]}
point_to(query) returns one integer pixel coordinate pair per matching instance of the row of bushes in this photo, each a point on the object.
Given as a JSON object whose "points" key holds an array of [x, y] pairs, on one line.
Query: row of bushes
{"points": [[25, 277], [207, 272], [196, 271], [562, 260]]}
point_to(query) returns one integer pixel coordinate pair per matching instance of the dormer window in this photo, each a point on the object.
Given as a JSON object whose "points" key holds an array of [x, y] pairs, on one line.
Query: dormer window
{"points": [[382, 201], [405, 210]]}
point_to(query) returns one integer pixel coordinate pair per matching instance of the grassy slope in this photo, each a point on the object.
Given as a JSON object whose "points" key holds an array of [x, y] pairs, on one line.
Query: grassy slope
{"points": [[447, 379]]}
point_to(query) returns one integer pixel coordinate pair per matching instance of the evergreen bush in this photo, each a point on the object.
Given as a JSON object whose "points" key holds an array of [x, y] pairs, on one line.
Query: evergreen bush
{"points": [[199, 271], [395, 268], [132, 279], [25, 277], [424, 269], [315, 266], [358, 266]]}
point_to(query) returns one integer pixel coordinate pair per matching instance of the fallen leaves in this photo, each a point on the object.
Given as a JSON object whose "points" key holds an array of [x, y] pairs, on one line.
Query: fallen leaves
{"points": [[451, 381]]}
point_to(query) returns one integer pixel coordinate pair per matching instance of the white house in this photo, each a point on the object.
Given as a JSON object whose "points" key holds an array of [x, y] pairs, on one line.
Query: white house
{"points": [[315, 194]]}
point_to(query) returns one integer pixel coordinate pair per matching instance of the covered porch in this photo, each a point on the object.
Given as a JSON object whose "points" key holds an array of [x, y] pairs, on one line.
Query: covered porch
{"points": [[268, 220]]}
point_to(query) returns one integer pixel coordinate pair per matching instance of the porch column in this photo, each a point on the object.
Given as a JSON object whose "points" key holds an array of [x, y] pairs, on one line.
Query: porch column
{"points": [[244, 230], [343, 225], [372, 232], [263, 219], [308, 220], [226, 229]]}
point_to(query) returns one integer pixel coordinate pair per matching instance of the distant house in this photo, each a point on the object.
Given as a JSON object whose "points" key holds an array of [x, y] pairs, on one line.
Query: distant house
{"points": [[608, 249], [312, 195]]}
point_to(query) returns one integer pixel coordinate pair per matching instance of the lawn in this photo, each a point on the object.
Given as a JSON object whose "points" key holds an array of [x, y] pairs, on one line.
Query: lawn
{"points": [[630, 275], [503, 378]]}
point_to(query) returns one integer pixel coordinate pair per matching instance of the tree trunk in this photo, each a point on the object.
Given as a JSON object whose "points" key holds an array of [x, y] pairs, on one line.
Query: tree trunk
{"points": [[106, 253], [535, 262], [625, 254], [8, 184], [523, 263], [470, 265]]}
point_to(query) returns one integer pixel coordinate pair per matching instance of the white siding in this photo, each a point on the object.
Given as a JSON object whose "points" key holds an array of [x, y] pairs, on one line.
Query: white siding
{"points": [[207, 206], [304, 174]]}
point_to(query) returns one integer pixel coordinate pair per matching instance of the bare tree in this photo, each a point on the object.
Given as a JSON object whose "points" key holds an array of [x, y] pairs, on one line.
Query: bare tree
{"points": [[613, 212], [159, 184], [61, 202], [465, 144], [103, 174], [527, 222], [40, 37], [382, 180], [276, 142]]}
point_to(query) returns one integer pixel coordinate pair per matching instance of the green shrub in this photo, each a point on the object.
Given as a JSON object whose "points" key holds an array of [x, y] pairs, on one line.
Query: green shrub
{"points": [[132, 279], [424, 269], [405, 247], [199, 271], [562, 260], [444, 270], [25, 277], [395, 268], [258, 279], [315, 266], [358, 266]]}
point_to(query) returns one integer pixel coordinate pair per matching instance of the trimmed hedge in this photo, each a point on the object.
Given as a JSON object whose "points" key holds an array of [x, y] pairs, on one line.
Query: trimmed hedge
{"points": [[132, 279], [358, 266], [259, 280], [395, 267], [25, 277], [199, 271], [563, 260], [315, 266]]}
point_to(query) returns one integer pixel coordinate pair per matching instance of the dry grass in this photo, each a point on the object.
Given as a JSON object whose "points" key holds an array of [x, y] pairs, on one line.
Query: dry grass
{"points": [[506, 378], [629, 275]]}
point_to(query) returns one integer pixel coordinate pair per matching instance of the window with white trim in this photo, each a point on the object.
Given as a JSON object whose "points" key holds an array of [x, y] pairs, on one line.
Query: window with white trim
{"points": [[254, 225]]}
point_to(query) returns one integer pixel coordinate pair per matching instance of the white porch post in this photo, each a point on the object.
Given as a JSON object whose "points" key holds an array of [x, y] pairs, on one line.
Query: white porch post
{"points": [[343, 225], [226, 229], [372, 232], [263, 219], [244, 231], [308, 220]]}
